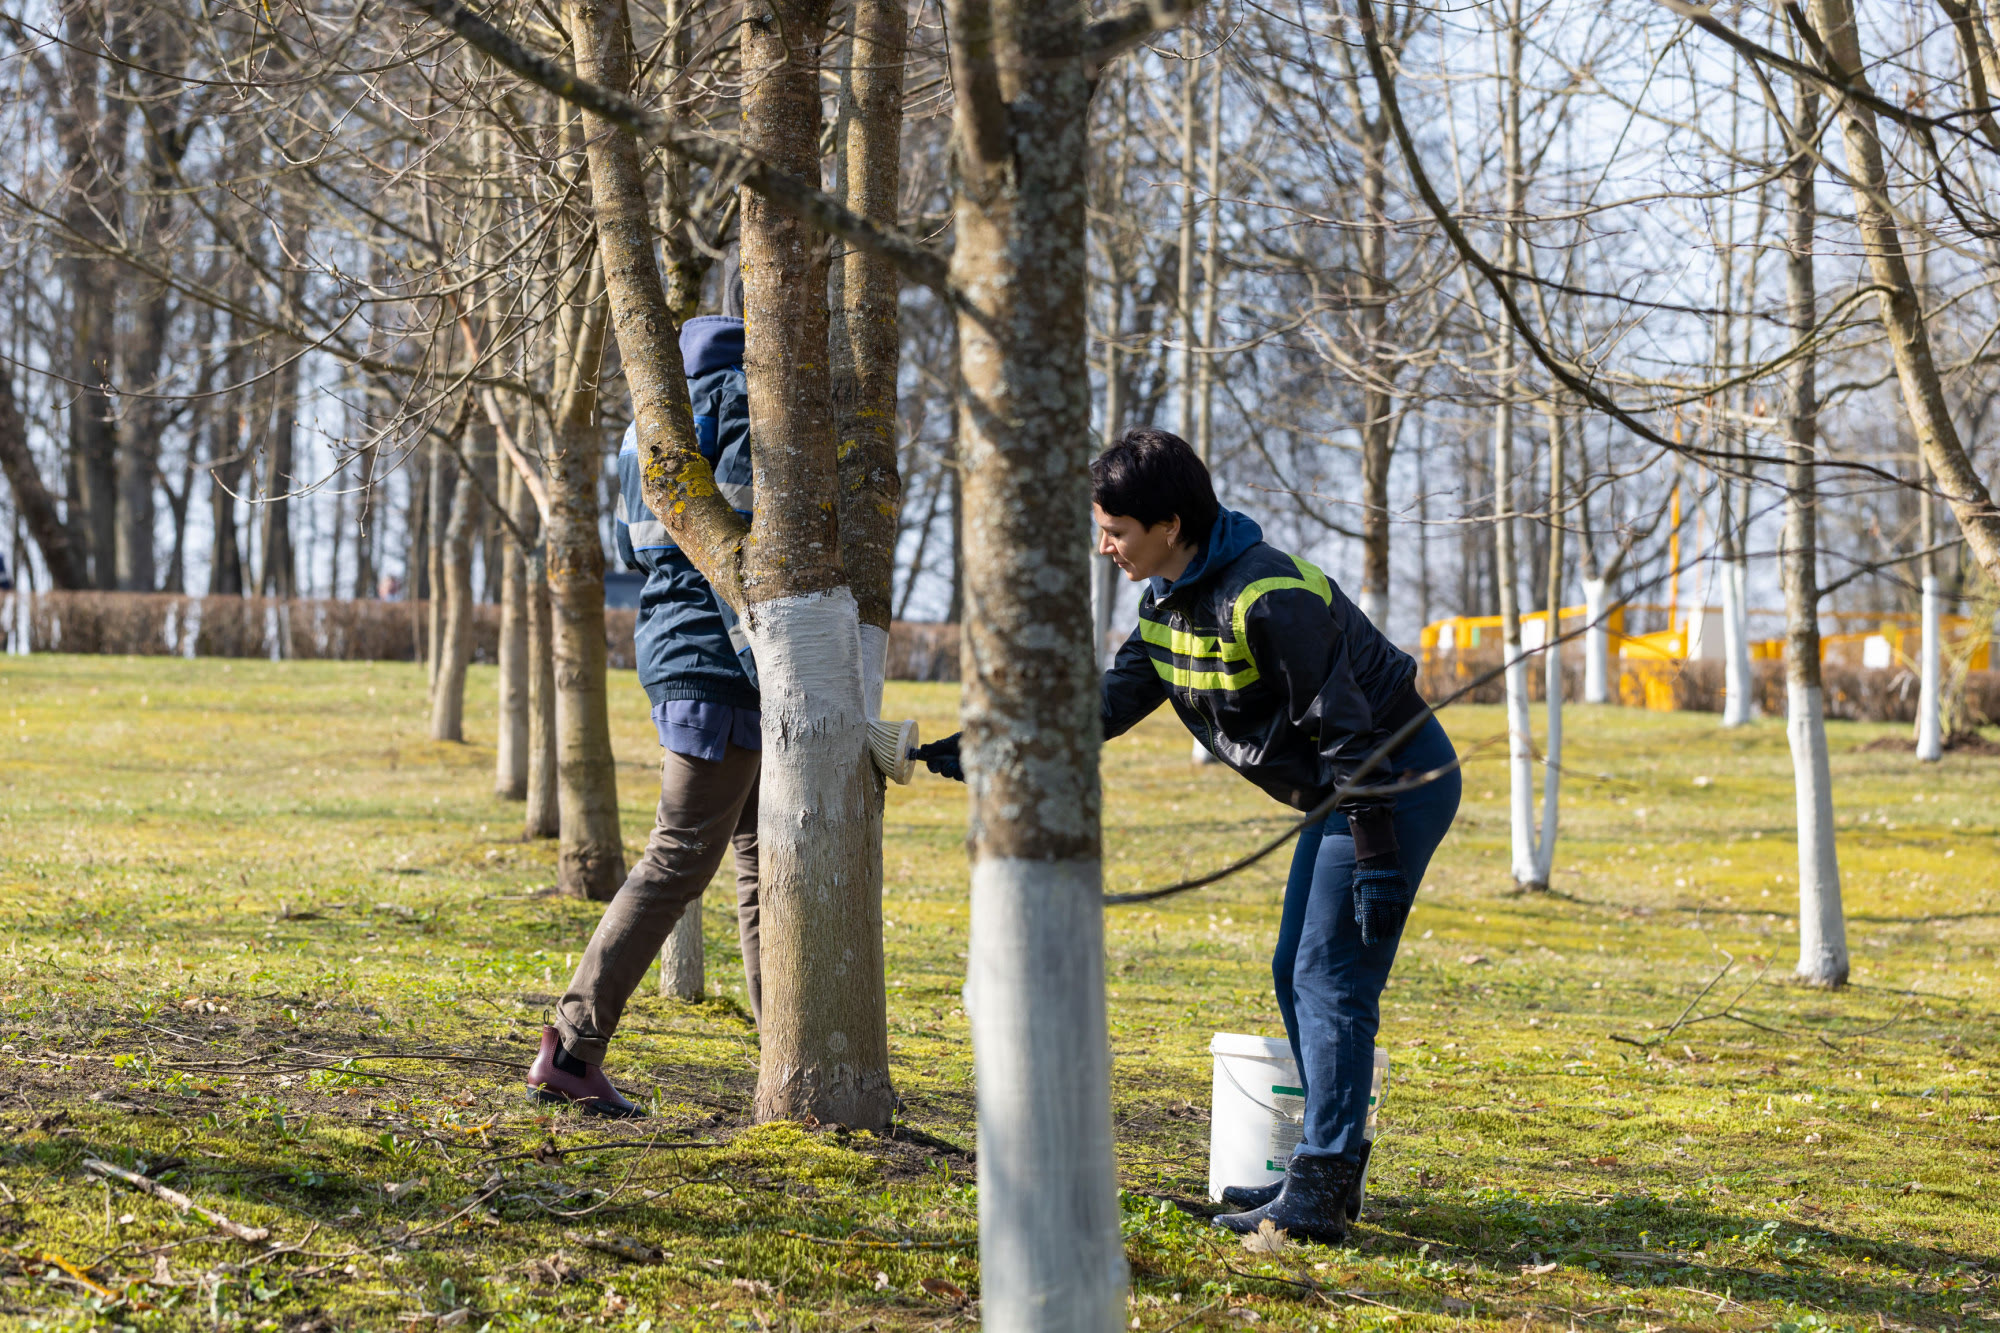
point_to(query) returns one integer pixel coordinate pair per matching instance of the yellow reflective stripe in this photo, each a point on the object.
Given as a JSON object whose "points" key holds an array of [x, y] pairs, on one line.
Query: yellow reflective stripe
{"points": [[1310, 579], [1182, 644], [1191, 645], [1203, 680]]}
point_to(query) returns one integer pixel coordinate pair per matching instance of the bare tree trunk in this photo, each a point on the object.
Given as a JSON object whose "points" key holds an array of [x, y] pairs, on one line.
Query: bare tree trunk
{"points": [[92, 137], [438, 487], [825, 1025], [454, 650], [1901, 304], [683, 968], [510, 763], [32, 502], [1520, 738], [543, 818], [591, 861], [1378, 406], [1822, 924], [1050, 1253], [864, 333], [825, 1030]]}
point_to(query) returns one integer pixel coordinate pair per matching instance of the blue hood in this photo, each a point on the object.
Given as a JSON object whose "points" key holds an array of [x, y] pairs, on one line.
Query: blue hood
{"points": [[711, 342], [1232, 535]]}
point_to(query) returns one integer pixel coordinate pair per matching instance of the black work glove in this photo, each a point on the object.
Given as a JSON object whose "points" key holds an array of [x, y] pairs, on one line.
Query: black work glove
{"points": [[1382, 899], [941, 757]]}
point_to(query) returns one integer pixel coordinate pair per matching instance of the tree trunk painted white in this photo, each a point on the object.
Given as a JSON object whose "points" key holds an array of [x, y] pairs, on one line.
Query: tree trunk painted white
{"points": [[1049, 1251], [1051, 1257], [1545, 842], [683, 971], [874, 664], [1103, 605], [1930, 741], [1520, 740], [1822, 925], [1739, 701], [1822, 928], [1596, 645], [1374, 603], [819, 816]]}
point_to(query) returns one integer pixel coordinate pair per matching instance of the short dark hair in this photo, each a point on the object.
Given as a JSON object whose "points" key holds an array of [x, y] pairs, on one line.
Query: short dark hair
{"points": [[1153, 476]]}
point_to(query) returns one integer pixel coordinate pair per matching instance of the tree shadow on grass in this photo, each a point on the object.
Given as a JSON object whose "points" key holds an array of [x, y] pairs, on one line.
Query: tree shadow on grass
{"points": [[1642, 1242]]}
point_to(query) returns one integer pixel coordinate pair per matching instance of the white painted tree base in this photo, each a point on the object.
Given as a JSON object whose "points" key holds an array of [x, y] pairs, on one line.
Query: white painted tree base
{"points": [[825, 1039], [1521, 773], [1051, 1257], [1596, 645], [1822, 925], [1739, 700], [1930, 739]]}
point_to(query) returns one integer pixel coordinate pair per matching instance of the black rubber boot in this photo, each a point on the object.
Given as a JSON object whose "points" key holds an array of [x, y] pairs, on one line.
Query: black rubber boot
{"points": [[1311, 1204], [1243, 1198]]}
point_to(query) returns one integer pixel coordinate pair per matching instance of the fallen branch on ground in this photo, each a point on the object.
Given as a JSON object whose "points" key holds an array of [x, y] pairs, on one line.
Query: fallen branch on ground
{"points": [[249, 1235]]}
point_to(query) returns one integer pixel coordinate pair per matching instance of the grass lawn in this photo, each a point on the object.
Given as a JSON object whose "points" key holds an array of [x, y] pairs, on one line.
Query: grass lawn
{"points": [[224, 882]]}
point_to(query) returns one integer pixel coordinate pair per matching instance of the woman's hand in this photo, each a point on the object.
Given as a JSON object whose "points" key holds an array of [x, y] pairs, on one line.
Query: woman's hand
{"points": [[941, 757], [1382, 899]]}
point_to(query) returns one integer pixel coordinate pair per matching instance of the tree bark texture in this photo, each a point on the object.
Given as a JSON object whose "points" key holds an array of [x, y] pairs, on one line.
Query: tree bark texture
{"points": [[91, 136], [825, 1049], [1901, 304], [32, 501], [825, 1032], [865, 345], [683, 969], [454, 651], [1520, 738], [543, 816], [1822, 924], [591, 860], [510, 762], [1051, 1258]]}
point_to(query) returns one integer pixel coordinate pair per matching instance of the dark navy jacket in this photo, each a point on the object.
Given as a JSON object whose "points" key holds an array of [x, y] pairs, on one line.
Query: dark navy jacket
{"points": [[1268, 663], [689, 644]]}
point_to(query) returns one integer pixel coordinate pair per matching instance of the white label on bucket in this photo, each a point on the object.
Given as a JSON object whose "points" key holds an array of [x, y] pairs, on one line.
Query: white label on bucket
{"points": [[1288, 1126]]}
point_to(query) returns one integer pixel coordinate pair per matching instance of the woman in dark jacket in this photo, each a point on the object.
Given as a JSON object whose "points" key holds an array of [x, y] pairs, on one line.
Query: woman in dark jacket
{"points": [[1284, 680]]}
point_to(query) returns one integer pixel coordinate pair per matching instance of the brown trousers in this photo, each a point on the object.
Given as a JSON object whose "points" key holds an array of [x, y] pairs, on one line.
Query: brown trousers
{"points": [[706, 807]]}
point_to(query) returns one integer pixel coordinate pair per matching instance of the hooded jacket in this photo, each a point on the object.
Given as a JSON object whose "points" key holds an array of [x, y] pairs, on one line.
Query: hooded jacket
{"points": [[688, 642], [1272, 668]]}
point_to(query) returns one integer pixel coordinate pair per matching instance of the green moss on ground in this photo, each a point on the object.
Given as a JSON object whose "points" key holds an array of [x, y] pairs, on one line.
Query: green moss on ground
{"points": [[224, 882]]}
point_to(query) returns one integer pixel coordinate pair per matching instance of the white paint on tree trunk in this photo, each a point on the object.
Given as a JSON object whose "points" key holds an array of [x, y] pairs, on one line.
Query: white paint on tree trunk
{"points": [[1051, 1259], [1596, 645], [874, 664], [1930, 741], [1822, 926], [1544, 852], [1103, 606], [1374, 604], [818, 827], [1520, 768], [1739, 701]]}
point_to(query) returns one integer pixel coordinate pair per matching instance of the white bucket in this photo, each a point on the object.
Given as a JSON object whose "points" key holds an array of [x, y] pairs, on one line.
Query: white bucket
{"points": [[1257, 1109]]}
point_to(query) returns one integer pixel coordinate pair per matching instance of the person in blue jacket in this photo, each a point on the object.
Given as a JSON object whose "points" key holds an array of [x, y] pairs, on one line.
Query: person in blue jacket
{"points": [[696, 667], [1285, 681]]}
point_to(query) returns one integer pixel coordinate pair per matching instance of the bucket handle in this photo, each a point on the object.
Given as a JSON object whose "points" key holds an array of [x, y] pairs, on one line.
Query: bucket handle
{"points": [[1299, 1119]]}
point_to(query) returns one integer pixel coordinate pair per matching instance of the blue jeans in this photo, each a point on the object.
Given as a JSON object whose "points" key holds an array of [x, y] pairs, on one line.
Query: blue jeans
{"points": [[1329, 984]]}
